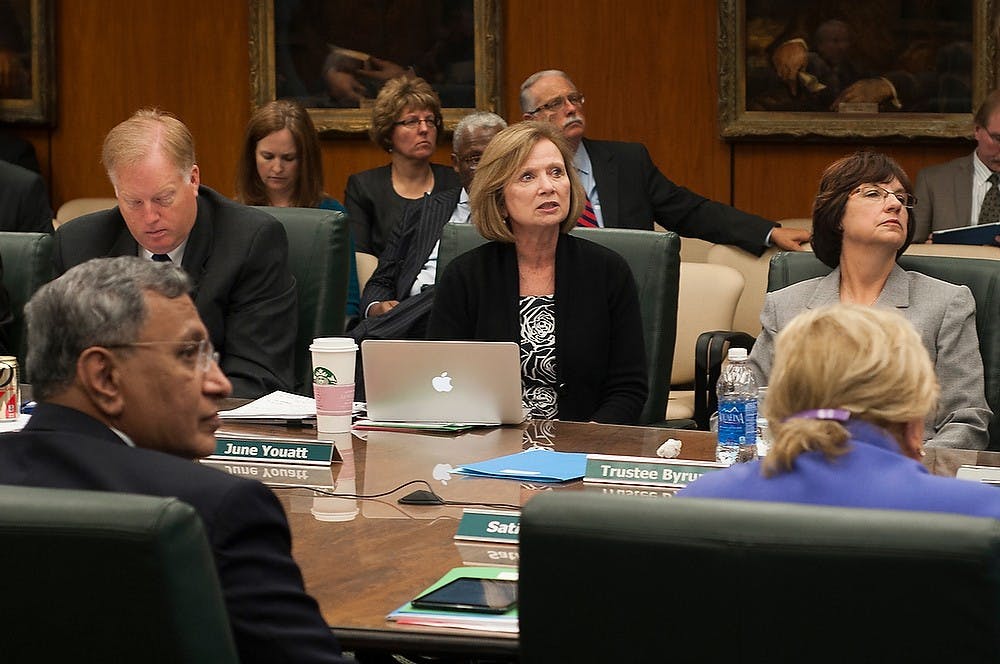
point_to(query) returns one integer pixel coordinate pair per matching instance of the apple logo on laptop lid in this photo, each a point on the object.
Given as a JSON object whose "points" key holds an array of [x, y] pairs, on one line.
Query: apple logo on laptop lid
{"points": [[442, 383]]}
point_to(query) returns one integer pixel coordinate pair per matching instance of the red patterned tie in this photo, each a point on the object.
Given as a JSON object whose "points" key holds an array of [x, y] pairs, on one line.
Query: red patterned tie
{"points": [[587, 218]]}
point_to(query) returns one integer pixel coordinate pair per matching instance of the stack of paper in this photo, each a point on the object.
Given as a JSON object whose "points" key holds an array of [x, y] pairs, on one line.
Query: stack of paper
{"points": [[534, 465], [274, 407], [487, 622]]}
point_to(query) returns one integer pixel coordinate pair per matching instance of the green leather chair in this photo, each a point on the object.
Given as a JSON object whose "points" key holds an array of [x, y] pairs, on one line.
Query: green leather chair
{"points": [[980, 275], [655, 261], [107, 577], [319, 257], [636, 579], [27, 265]]}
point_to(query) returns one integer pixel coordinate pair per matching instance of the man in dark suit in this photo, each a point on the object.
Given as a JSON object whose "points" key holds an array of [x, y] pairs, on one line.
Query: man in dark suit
{"points": [[128, 390], [237, 257], [954, 194], [24, 200], [625, 188]]}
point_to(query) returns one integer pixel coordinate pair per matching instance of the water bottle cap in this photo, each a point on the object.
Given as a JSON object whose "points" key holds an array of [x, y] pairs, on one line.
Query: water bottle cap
{"points": [[737, 354]]}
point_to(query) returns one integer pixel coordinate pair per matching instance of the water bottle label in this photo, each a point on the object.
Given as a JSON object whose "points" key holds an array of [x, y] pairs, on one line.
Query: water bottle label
{"points": [[737, 422]]}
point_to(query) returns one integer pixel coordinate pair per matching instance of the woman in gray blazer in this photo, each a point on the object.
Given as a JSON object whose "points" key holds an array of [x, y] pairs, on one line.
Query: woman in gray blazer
{"points": [[861, 225]]}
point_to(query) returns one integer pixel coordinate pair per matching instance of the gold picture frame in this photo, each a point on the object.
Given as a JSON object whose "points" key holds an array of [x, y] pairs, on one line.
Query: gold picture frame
{"points": [[27, 89], [749, 109], [487, 20]]}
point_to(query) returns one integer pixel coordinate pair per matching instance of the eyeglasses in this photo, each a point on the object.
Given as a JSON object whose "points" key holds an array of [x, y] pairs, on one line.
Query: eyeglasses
{"points": [[575, 98], [199, 354], [472, 159], [875, 194], [413, 123]]}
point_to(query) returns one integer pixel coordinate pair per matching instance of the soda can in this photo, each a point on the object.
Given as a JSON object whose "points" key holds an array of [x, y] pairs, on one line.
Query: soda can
{"points": [[10, 391]]}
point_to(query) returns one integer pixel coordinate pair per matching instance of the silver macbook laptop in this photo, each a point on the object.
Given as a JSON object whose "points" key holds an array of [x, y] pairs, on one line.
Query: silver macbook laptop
{"points": [[443, 381]]}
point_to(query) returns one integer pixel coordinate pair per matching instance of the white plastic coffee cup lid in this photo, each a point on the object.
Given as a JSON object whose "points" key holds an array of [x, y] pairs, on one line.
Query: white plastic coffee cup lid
{"points": [[334, 344]]}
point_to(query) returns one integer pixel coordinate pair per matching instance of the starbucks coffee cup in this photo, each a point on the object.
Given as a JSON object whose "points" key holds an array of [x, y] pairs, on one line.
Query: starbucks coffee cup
{"points": [[333, 361]]}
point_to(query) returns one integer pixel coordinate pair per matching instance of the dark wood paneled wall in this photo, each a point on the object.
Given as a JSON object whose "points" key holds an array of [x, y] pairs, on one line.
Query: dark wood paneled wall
{"points": [[647, 67]]}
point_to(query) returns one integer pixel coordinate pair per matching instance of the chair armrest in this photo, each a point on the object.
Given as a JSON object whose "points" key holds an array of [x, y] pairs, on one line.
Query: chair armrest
{"points": [[710, 351]]}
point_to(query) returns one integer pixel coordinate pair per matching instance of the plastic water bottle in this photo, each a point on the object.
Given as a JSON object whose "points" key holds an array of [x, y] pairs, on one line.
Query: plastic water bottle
{"points": [[737, 391]]}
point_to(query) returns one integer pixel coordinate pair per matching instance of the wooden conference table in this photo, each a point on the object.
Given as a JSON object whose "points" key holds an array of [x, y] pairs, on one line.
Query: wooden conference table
{"points": [[362, 559]]}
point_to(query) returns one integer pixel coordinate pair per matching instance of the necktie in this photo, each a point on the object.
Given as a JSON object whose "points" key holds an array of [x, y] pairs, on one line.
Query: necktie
{"points": [[161, 258], [990, 212], [587, 218]]}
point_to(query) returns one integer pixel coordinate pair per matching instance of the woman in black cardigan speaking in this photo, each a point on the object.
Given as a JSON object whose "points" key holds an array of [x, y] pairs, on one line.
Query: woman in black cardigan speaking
{"points": [[569, 303]]}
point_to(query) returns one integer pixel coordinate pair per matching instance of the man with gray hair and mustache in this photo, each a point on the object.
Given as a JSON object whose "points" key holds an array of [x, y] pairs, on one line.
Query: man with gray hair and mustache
{"points": [[626, 190], [128, 388]]}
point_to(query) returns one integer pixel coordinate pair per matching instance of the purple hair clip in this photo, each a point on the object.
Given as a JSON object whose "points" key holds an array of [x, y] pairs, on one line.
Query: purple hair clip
{"points": [[839, 414]]}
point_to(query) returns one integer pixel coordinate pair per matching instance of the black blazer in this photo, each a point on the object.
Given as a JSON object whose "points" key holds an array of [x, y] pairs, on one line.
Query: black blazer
{"points": [[634, 194], [272, 617], [600, 356], [24, 200], [374, 208], [237, 258]]}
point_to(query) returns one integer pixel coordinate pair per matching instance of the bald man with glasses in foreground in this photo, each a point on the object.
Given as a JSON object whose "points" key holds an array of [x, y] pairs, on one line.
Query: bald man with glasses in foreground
{"points": [[129, 387], [626, 190]]}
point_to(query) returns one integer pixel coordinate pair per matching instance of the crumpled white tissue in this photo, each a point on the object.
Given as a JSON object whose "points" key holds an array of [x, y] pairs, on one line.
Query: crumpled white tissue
{"points": [[669, 449]]}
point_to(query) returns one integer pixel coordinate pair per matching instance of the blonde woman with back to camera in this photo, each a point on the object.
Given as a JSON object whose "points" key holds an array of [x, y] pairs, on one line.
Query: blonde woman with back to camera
{"points": [[849, 392], [570, 303]]}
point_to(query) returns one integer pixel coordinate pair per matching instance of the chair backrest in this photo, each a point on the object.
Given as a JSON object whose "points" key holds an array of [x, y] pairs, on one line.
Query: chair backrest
{"points": [[366, 267], [754, 270], [982, 276], [107, 577], [27, 265], [655, 262], [635, 579], [78, 207], [319, 258], [706, 301]]}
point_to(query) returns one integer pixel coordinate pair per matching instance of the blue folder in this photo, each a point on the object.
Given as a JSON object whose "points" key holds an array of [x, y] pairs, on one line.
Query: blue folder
{"points": [[535, 465]]}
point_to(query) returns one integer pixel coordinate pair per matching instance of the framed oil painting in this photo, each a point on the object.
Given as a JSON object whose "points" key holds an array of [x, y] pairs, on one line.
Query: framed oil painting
{"points": [[27, 82], [845, 69], [333, 56]]}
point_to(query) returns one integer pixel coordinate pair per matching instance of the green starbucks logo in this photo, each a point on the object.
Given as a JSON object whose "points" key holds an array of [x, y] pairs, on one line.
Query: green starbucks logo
{"points": [[323, 376]]}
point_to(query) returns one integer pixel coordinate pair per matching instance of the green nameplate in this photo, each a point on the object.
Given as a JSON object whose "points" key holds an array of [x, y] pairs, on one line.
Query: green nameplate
{"points": [[277, 474], [647, 471], [489, 526], [303, 452]]}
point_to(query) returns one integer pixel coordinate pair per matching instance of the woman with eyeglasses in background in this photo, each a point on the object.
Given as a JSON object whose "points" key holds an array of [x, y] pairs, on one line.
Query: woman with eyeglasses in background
{"points": [[862, 222], [406, 123]]}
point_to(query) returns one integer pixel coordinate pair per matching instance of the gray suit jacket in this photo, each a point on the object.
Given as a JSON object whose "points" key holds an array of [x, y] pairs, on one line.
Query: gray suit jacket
{"points": [[944, 197], [944, 316]]}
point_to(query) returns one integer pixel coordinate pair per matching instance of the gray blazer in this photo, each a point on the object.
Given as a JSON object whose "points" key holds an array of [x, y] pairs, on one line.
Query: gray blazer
{"points": [[944, 316], [944, 197]]}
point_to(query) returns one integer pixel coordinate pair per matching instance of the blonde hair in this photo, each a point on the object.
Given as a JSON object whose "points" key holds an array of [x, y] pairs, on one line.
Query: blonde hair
{"points": [[504, 155], [149, 129], [867, 361]]}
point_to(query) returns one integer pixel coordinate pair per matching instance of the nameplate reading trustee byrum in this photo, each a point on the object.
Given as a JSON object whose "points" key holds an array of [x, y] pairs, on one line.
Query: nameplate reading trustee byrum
{"points": [[306, 452], [650, 471], [489, 526]]}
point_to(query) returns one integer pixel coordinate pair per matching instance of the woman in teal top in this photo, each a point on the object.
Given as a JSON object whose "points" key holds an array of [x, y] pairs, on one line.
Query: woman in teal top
{"points": [[280, 166]]}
